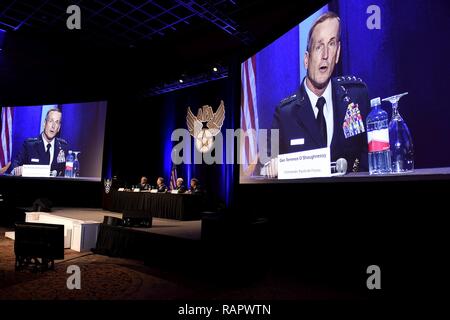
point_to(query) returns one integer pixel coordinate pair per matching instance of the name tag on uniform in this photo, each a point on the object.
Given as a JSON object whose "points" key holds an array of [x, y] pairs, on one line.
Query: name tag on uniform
{"points": [[35, 160], [297, 142]]}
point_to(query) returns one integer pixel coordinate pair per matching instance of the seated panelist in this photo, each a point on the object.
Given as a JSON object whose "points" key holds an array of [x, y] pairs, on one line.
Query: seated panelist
{"points": [[160, 185], [180, 187], [195, 187], [144, 185]]}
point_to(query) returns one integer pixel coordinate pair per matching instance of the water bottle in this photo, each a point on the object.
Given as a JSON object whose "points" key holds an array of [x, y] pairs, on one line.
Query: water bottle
{"points": [[378, 139], [69, 165], [76, 165]]}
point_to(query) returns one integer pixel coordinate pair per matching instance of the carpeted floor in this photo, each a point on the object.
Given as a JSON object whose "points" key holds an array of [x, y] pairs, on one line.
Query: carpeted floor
{"points": [[102, 278], [107, 278]]}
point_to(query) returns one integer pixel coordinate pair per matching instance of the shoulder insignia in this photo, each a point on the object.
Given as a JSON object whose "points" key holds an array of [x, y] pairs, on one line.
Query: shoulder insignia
{"points": [[32, 140], [351, 80], [287, 100], [62, 141]]}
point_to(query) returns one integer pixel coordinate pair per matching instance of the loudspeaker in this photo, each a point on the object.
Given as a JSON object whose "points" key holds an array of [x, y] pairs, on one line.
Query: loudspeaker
{"points": [[112, 221], [42, 205], [137, 222], [136, 218], [38, 245]]}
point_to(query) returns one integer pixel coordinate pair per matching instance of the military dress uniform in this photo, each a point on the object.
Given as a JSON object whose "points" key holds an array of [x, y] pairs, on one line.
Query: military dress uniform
{"points": [[162, 188], [181, 189], [296, 121], [34, 152], [144, 186], [197, 190]]}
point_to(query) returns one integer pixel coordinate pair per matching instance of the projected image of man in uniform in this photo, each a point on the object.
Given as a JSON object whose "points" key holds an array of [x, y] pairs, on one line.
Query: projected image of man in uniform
{"points": [[45, 149], [315, 116], [324, 48]]}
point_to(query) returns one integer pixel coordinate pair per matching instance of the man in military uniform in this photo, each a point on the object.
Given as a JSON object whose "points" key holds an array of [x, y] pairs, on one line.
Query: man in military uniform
{"points": [[143, 185], [45, 149], [160, 185], [325, 112], [180, 186], [195, 187]]}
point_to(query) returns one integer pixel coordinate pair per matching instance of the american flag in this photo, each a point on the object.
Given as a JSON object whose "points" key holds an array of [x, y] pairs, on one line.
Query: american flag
{"points": [[173, 178], [6, 136], [249, 116]]}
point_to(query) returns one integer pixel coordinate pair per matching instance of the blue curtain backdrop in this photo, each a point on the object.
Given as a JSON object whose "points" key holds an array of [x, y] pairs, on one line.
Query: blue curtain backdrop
{"points": [[84, 128], [280, 69], [277, 74], [217, 179], [26, 124]]}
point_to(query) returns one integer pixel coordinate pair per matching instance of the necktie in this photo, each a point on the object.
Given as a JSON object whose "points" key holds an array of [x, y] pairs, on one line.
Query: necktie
{"points": [[321, 121], [47, 153]]}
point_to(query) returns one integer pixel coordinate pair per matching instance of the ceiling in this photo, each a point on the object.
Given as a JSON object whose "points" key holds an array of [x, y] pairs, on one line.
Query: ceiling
{"points": [[125, 22], [147, 42]]}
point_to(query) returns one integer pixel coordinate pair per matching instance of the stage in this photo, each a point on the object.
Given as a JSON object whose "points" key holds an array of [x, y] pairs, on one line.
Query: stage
{"points": [[84, 231], [175, 259], [174, 228], [178, 243]]}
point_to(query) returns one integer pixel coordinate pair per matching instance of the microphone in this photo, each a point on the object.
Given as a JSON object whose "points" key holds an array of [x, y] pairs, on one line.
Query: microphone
{"points": [[339, 168]]}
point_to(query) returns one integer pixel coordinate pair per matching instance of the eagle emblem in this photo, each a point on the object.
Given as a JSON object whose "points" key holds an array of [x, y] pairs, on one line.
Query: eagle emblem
{"points": [[205, 125], [107, 183]]}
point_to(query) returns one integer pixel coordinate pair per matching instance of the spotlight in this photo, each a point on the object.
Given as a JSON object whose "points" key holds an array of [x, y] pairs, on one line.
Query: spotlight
{"points": [[180, 81], [215, 69]]}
